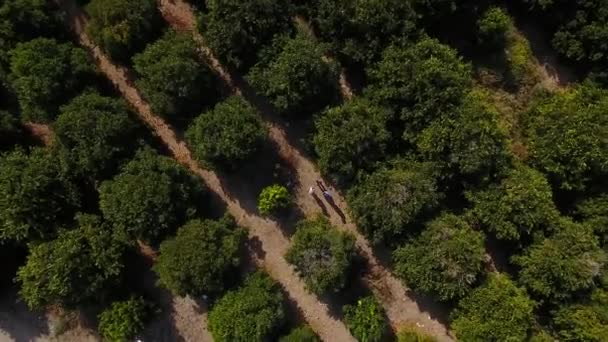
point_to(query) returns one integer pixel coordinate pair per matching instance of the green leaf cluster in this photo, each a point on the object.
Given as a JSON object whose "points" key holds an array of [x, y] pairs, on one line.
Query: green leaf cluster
{"points": [[273, 199], [365, 319], [123, 320], [301, 334]]}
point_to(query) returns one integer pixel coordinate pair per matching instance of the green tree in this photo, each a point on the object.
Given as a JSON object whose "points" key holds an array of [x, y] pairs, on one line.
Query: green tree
{"points": [[350, 138], [150, 197], [445, 260], [236, 30], [494, 26], [472, 140], [297, 80], [273, 199], [520, 205], [359, 30], [568, 136], [200, 257], [387, 202], [365, 319], [227, 135], [122, 28], [80, 266], [594, 212], [250, 313], [123, 320], [94, 135], [44, 74], [321, 254], [556, 268], [34, 196], [419, 83], [301, 334], [496, 311], [172, 78], [586, 322]]}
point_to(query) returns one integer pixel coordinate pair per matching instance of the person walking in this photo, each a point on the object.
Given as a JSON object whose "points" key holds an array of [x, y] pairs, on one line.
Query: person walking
{"points": [[327, 195], [311, 191]]}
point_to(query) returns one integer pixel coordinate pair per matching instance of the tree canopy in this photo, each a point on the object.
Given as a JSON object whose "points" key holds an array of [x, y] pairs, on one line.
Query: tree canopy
{"points": [[419, 83], [274, 199], [44, 74], [498, 310], [35, 199], [94, 135], [557, 267], [296, 79], [123, 320], [200, 257], [519, 206], [584, 321], [227, 135], [9, 130], [251, 313], [301, 334], [150, 197], [594, 212], [77, 267], [568, 136], [359, 30], [386, 203], [122, 28], [350, 138], [172, 78], [236, 30], [445, 260], [366, 319]]}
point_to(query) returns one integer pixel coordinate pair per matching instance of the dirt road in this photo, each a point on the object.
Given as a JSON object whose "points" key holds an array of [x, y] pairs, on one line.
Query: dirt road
{"points": [[273, 243], [401, 308]]}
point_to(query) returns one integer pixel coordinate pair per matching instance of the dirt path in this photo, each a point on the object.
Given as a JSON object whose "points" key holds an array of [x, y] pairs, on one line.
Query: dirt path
{"points": [[273, 243], [401, 308]]}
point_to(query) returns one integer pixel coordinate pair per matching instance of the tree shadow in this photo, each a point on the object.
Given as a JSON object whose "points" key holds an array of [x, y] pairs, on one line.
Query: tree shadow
{"points": [[17, 321]]}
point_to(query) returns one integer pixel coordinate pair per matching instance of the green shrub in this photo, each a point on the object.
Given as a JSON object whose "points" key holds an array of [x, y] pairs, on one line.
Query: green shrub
{"points": [[519, 59], [365, 320], [493, 26], [273, 199], [122, 321], [301, 334], [250, 313], [412, 334]]}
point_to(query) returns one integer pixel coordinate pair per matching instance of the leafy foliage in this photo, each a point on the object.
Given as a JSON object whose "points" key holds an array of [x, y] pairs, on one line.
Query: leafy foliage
{"points": [[584, 322], [321, 254], [227, 135], [493, 26], [44, 74], [198, 259], [297, 80], [350, 138], [94, 135], [123, 320], [151, 196], [411, 334], [419, 83], [273, 199], [496, 311], [236, 30], [445, 260], [365, 320], [519, 206], [556, 268], [77, 267], [34, 197], [594, 212], [568, 136], [472, 141], [9, 130], [122, 28], [301, 334], [359, 30], [386, 203], [172, 78], [251, 313]]}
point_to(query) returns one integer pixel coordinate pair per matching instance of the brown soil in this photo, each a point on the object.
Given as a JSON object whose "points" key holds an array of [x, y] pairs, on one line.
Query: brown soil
{"points": [[401, 307], [40, 132], [273, 243]]}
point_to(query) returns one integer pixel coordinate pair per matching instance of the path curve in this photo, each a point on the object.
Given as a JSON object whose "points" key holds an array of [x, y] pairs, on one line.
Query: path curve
{"points": [[400, 307], [273, 243]]}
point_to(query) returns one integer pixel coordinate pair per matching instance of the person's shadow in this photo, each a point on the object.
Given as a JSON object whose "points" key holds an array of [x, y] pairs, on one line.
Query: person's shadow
{"points": [[320, 204], [331, 202]]}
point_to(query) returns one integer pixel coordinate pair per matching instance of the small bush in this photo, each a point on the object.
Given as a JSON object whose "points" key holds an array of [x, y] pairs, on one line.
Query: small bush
{"points": [[123, 320], [273, 199], [301, 334], [493, 26], [412, 334], [365, 320], [519, 56]]}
